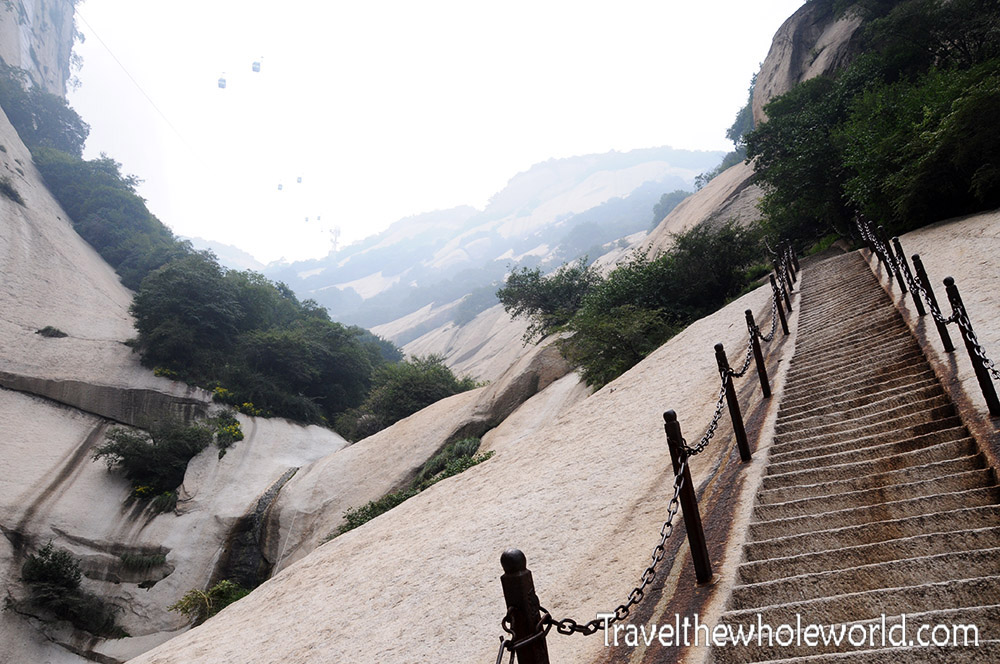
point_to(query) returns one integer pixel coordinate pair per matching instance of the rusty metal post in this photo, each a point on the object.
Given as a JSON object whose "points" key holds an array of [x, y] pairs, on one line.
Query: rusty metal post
{"points": [[982, 373], [795, 259], [909, 276], [523, 608], [891, 268], [925, 281], [734, 405], [689, 501], [784, 291], [758, 357], [781, 310]]}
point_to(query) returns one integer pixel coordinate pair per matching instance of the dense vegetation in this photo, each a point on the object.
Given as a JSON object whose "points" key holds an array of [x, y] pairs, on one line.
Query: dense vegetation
{"points": [[399, 390], [906, 134], [52, 577], [614, 322]]}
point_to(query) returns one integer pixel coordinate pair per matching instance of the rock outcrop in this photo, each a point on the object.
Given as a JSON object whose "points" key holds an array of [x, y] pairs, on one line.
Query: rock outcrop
{"points": [[37, 36], [58, 397], [812, 42]]}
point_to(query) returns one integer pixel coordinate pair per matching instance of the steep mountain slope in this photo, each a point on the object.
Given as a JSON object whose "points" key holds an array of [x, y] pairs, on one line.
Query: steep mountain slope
{"points": [[58, 397], [37, 36]]}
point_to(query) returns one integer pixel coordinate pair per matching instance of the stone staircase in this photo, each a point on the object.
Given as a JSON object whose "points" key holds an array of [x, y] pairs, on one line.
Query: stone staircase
{"points": [[876, 500]]}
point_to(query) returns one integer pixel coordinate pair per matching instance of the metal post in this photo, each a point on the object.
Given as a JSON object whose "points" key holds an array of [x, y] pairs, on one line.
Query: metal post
{"points": [[925, 281], [795, 259], [689, 501], [758, 357], [982, 373], [788, 262], [893, 269], [781, 310], [909, 276], [734, 405], [523, 608]]}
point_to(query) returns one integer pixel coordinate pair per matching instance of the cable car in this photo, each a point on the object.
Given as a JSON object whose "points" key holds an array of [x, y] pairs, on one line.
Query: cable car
{"points": [[299, 180], [307, 220], [222, 82], [280, 187], [256, 65]]}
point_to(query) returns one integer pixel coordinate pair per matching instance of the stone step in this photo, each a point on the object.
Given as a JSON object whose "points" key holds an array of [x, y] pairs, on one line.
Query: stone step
{"points": [[871, 460], [855, 516], [883, 479], [917, 376], [861, 404], [921, 411], [808, 447], [870, 604], [875, 407], [882, 349], [929, 544], [973, 479], [818, 385], [820, 371]]}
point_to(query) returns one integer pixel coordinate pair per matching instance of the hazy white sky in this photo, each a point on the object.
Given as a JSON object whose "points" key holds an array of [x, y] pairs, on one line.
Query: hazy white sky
{"points": [[387, 109]]}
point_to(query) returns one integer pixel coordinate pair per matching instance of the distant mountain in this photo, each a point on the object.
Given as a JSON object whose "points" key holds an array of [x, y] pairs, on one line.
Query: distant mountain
{"points": [[229, 256], [553, 212]]}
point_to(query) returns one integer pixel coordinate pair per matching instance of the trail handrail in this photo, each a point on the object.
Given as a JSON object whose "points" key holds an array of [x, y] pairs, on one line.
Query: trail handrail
{"points": [[526, 622], [892, 256]]}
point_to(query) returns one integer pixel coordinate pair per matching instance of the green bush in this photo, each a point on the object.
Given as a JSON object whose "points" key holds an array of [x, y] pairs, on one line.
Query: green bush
{"points": [[142, 562], [200, 605], [51, 332], [53, 580], [548, 302], [155, 463], [398, 391]]}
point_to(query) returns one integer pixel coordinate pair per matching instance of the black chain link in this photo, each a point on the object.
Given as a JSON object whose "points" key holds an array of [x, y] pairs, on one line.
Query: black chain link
{"points": [[774, 321], [966, 326], [570, 626]]}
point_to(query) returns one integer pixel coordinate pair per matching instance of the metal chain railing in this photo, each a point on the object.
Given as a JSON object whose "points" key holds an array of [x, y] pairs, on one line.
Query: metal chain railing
{"points": [[570, 626], [984, 367]]}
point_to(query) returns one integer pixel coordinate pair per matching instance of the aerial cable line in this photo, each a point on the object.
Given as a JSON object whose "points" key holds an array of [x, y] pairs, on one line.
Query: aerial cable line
{"points": [[135, 82]]}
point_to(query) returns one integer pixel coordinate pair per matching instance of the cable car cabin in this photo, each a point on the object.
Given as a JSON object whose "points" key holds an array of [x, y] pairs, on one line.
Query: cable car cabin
{"points": [[222, 83], [280, 187], [256, 66], [299, 180]]}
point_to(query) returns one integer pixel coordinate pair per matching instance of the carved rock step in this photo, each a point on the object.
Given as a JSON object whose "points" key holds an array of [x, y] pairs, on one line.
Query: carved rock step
{"points": [[850, 557], [855, 390], [930, 471], [871, 460], [871, 514], [972, 479], [865, 404], [800, 448], [813, 386], [922, 411], [884, 347], [987, 516]]}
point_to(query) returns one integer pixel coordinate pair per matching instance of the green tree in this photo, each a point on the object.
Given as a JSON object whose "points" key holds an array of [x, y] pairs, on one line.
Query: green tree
{"points": [[548, 302], [398, 391]]}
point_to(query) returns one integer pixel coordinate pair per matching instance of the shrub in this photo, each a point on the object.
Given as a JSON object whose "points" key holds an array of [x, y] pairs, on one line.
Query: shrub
{"points": [[547, 302], [398, 391], [53, 579], [142, 562], [154, 463], [200, 605], [51, 332]]}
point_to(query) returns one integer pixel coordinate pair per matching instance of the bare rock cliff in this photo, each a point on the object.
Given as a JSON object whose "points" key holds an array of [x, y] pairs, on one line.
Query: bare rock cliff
{"points": [[37, 36]]}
